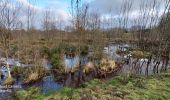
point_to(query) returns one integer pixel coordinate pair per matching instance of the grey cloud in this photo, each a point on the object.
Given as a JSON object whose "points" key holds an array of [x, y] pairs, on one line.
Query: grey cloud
{"points": [[114, 6]]}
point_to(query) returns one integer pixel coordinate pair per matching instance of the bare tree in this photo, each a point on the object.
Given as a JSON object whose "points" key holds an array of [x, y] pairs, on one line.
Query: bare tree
{"points": [[49, 22], [9, 19]]}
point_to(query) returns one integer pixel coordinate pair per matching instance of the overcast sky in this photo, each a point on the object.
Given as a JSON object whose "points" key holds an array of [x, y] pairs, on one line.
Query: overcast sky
{"points": [[106, 8]]}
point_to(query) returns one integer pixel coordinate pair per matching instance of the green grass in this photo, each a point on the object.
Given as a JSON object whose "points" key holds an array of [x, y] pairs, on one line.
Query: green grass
{"points": [[128, 87]]}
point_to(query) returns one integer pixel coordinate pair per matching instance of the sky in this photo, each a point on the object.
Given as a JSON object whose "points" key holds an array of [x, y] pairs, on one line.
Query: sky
{"points": [[106, 8], [60, 7]]}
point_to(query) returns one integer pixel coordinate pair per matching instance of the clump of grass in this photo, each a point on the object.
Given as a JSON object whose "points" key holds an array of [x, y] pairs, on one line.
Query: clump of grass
{"points": [[107, 65], [141, 54], [9, 81], [138, 54], [33, 77], [88, 68]]}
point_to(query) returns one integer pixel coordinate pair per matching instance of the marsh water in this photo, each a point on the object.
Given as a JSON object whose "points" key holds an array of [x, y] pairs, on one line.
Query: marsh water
{"points": [[48, 84]]}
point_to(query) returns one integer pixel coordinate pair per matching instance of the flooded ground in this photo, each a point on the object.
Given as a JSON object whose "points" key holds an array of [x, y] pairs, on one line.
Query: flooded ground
{"points": [[48, 83]]}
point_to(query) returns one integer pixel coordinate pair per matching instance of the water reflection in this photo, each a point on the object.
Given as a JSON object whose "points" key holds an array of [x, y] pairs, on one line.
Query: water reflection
{"points": [[71, 62], [49, 85]]}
